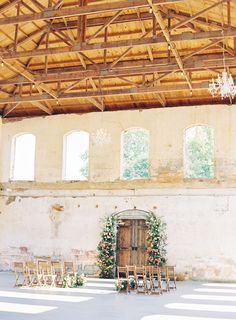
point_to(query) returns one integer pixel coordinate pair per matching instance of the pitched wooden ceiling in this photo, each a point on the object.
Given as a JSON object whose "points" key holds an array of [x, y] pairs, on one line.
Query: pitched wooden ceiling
{"points": [[66, 56]]}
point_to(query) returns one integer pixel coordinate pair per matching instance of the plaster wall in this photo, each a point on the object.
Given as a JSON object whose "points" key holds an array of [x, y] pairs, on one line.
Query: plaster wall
{"points": [[63, 219], [1, 158]]}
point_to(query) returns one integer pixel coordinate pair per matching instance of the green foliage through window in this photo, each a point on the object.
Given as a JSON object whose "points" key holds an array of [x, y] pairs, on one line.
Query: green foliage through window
{"points": [[135, 151], [199, 152]]}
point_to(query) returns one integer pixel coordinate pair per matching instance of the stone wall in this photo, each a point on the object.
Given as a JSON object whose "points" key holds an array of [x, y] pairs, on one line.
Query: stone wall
{"points": [[63, 219]]}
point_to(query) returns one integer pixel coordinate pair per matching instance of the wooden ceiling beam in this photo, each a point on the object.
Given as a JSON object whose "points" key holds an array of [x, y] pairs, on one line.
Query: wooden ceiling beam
{"points": [[98, 102], [185, 36], [196, 15], [8, 5], [144, 16], [104, 93], [126, 69], [171, 44], [162, 62], [106, 24], [19, 69], [80, 11], [8, 109], [97, 22], [41, 106], [140, 103]]}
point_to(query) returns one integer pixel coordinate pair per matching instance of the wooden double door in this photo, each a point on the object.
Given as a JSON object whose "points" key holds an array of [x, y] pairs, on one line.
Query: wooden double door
{"points": [[132, 242]]}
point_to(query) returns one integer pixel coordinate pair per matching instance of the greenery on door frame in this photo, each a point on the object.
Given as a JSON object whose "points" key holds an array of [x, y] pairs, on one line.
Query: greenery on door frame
{"points": [[157, 240], [107, 250]]}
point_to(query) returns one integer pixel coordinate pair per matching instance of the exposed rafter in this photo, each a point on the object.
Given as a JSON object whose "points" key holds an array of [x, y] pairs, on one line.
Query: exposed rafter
{"points": [[80, 11], [171, 44], [64, 56], [103, 93], [8, 5], [129, 68]]}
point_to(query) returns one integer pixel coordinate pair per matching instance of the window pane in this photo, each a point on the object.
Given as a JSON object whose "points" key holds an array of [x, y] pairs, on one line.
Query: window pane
{"points": [[24, 157], [76, 156], [135, 149], [199, 152]]}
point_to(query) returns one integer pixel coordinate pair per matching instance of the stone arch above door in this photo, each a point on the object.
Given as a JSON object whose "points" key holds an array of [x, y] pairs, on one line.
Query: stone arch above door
{"points": [[132, 214]]}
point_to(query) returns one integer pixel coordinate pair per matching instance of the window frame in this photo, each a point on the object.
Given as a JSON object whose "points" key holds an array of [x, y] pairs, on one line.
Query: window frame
{"points": [[13, 156], [122, 158], [64, 158], [184, 153]]}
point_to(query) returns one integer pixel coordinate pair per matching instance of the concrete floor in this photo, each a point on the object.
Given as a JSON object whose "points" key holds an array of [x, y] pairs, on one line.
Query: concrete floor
{"points": [[97, 300]]}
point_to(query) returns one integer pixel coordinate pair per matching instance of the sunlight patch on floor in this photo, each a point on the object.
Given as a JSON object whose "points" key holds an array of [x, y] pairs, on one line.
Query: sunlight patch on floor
{"points": [[215, 290], [201, 307], [226, 285], [174, 317], [52, 297], [208, 297], [72, 290], [24, 308]]}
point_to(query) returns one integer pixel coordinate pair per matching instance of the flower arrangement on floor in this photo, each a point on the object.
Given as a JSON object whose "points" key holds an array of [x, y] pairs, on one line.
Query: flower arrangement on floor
{"points": [[123, 284], [73, 281], [107, 248], [156, 238]]}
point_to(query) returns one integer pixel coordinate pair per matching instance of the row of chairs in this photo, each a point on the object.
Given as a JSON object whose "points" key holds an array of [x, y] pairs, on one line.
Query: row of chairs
{"points": [[147, 279], [43, 273]]}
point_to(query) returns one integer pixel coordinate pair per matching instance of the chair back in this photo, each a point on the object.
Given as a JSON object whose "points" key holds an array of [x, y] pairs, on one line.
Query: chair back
{"points": [[130, 271], [44, 267], [122, 273], [69, 267], [18, 267], [31, 267], [57, 267]]}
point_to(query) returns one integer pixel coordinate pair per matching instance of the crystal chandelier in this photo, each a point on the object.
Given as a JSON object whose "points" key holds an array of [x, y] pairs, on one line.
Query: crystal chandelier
{"points": [[224, 85]]}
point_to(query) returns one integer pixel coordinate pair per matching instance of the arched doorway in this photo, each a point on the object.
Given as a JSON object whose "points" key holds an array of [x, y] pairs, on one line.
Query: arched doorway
{"points": [[132, 238]]}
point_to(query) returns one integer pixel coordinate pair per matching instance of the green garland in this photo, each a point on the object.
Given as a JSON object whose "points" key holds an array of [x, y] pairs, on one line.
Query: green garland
{"points": [[156, 238], [107, 248]]}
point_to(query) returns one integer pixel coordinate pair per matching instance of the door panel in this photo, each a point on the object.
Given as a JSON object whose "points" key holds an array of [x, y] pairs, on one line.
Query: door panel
{"points": [[132, 243]]}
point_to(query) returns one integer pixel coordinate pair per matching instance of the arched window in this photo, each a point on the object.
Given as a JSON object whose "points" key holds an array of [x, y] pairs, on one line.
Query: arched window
{"points": [[76, 156], [199, 152], [135, 154], [23, 157]]}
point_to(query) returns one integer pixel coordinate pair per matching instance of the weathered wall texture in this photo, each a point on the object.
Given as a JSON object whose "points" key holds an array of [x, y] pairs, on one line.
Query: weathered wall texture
{"points": [[62, 219]]}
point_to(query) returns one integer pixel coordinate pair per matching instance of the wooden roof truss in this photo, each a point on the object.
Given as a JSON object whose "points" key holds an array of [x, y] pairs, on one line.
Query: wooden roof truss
{"points": [[60, 56]]}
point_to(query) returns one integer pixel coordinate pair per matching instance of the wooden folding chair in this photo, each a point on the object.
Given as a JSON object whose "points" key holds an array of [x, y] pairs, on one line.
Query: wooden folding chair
{"points": [[122, 277], [131, 277], [165, 278], [57, 269], [171, 277], [19, 270], [140, 279], [148, 276], [31, 274], [45, 275], [156, 282]]}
